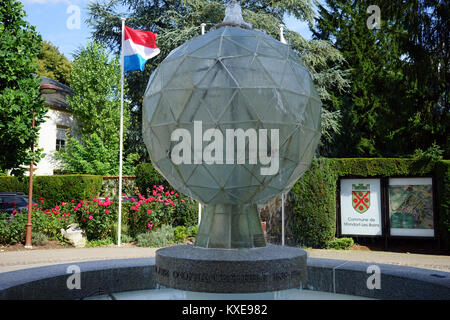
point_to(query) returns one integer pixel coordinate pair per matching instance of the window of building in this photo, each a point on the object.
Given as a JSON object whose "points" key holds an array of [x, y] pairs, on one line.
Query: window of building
{"points": [[61, 136]]}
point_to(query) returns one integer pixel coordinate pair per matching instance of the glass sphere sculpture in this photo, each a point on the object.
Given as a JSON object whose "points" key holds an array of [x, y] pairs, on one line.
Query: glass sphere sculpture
{"points": [[231, 118]]}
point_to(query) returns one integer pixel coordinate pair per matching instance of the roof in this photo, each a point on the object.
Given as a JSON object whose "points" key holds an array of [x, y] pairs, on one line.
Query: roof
{"points": [[57, 99]]}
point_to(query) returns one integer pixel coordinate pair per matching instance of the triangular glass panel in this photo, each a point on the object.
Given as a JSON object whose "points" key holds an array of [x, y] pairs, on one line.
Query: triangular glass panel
{"points": [[150, 105], [217, 77], [265, 49], [267, 194], [201, 178], [303, 77], [177, 99], [160, 148], [274, 67], [247, 42], [186, 171], [169, 69], [291, 80], [177, 52], [209, 50], [170, 173], [221, 172], [231, 49], [297, 104], [162, 114], [248, 72], [216, 100], [238, 110], [195, 110], [205, 195], [283, 176], [284, 131]]}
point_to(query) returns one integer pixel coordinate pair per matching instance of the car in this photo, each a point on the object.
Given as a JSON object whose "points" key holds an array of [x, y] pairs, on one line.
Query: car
{"points": [[10, 201]]}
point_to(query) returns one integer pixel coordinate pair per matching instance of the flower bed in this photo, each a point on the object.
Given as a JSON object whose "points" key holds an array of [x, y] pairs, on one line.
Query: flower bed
{"points": [[98, 216]]}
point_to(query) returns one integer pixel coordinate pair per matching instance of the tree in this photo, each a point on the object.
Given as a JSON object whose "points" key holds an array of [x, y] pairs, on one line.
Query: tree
{"points": [[53, 64], [399, 75], [176, 22], [19, 88], [95, 79]]}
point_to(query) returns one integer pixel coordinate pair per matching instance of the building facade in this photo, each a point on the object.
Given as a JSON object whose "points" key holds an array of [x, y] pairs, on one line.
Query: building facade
{"points": [[56, 129]]}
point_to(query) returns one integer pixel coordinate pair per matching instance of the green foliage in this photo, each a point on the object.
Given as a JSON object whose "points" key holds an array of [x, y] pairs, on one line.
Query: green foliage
{"points": [[341, 243], [180, 234], [315, 205], [55, 189], [398, 73], [53, 64], [314, 221], [19, 88], [96, 106], [147, 177], [157, 238], [433, 153], [443, 188], [178, 21], [39, 239], [99, 242]]}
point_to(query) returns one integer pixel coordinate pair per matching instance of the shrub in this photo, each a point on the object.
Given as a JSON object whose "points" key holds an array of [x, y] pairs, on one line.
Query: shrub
{"points": [[39, 239], [147, 177], [55, 189], [192, 231], [97, 218], [156, 238], [341, 243], [161, 207], [314, 204], [180, 234]]}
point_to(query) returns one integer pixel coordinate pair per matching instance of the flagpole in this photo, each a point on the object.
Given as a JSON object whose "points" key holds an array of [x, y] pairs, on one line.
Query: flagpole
{"points": [[119, 224]]}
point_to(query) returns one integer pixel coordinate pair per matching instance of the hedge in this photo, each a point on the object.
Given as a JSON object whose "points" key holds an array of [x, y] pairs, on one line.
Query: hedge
{"points": [[314, 221], [55, 189]]}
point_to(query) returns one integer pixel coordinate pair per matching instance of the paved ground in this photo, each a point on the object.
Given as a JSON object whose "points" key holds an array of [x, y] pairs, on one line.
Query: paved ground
{"points": [[15, 260]]}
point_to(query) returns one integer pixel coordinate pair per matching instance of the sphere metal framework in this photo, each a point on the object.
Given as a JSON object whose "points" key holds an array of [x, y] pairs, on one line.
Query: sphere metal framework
{"points": [[228, 79]]}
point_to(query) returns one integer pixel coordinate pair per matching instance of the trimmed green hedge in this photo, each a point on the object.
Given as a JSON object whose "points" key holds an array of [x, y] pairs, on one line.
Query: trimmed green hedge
{"points": [[314, 221], [55, 189]]}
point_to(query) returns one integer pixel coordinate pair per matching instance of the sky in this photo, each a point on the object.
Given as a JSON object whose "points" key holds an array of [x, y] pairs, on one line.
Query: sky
{"points": [[62, 22]]}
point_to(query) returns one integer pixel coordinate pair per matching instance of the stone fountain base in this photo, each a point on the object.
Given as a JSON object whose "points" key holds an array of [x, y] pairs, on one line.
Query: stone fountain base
{"points": [[269, 268]]}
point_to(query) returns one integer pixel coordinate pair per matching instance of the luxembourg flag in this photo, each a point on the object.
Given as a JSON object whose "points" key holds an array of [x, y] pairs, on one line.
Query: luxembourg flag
{"points": [[138, 47]]}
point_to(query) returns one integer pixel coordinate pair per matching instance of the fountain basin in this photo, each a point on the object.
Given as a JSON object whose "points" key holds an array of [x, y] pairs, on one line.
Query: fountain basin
{"points": [[119, 275]]}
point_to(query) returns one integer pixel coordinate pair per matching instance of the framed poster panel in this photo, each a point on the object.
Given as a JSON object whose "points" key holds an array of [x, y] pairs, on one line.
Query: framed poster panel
{"points": [[411, 210], [360, 207]]}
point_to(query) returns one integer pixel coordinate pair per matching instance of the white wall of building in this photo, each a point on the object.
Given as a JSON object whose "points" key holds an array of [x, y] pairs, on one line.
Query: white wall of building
{"points": [[47, 139]]}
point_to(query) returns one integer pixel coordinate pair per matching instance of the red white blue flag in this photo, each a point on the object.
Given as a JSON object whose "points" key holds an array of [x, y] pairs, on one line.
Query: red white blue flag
{"points": [[138, 47]]}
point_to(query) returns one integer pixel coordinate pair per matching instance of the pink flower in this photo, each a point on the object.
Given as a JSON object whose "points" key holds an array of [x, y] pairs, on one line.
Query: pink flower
{"points": [[149, 211], [91, 217], [57, 207], [106, 198], [171, 192], [176, 194], [123, 194], [95, 200], [84, 219], [182, 200], [150, 225], [133, 208], [42, 201], [132, 199], [106, 211], [14, 211], [167, 193], [154, 192]]}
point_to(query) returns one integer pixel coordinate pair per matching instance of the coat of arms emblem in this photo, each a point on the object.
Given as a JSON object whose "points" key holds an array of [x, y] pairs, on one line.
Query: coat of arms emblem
{"points": [[361, 197]]}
